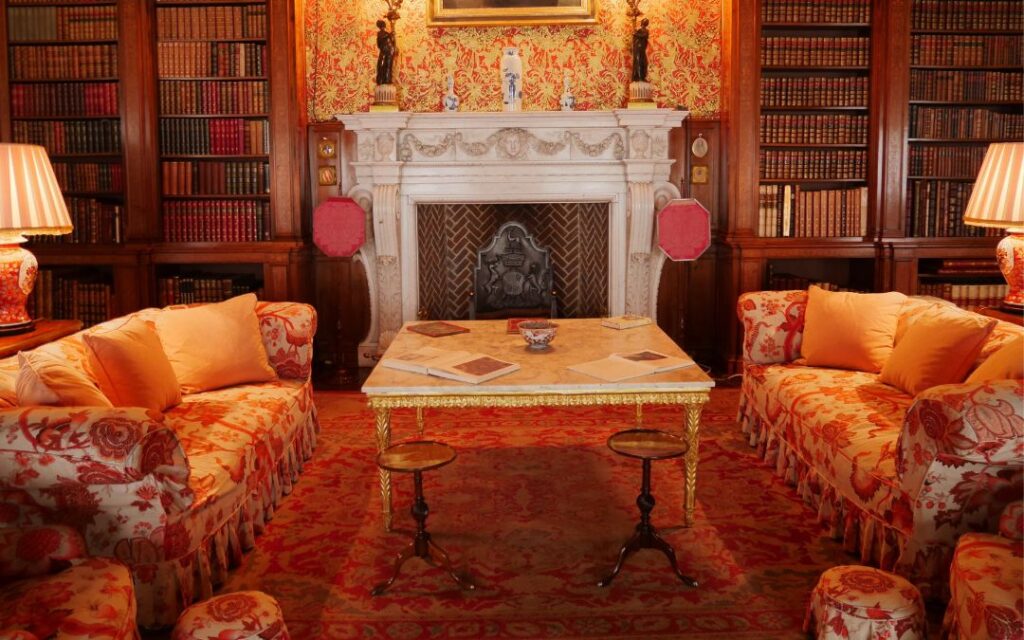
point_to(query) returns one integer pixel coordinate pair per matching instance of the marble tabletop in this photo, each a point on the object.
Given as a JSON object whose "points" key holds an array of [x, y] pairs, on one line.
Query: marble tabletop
{"points": [[578, 341]]}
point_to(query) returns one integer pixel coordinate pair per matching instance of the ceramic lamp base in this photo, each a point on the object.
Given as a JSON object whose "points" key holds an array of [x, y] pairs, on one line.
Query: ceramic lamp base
{"points": [[18, 269], [1010, 254]]}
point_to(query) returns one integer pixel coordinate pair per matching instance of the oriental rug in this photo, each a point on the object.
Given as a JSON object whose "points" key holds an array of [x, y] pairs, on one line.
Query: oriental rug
{"points": [[535, 508]]}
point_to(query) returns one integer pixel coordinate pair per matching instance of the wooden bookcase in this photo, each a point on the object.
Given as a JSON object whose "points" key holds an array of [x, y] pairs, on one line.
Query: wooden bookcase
{"points": [[154, 69], [893, 251]]}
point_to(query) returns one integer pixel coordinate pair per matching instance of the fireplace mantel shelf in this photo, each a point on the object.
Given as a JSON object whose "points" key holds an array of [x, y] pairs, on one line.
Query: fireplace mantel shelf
{"points": [[405, 159]]}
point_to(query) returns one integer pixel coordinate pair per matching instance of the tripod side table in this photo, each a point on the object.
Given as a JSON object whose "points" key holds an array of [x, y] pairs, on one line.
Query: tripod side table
{"points": [[416, 457], [647, 445]]}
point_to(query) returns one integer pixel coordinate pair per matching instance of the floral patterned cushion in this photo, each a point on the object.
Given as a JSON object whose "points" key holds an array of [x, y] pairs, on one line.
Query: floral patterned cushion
{"points": [[92, 599], [987, 586], [239, 616], [844, 424], [864, 603], [773, 325]]}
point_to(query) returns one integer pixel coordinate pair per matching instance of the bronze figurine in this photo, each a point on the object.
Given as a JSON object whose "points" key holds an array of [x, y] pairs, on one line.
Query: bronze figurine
{"points": [[640, 38], [386, 56]]}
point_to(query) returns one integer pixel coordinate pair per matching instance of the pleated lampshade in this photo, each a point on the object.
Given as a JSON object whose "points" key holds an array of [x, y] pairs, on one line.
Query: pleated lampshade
{"points": [[30, 198], [998, 196]]}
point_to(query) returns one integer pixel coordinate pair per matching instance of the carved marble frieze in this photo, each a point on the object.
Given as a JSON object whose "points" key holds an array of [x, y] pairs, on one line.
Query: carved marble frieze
{"points": [[513, 144]]}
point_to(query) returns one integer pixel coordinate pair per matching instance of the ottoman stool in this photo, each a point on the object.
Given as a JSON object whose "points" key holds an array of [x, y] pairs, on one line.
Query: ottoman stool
{"points": [[864, 603], [239, 616]]}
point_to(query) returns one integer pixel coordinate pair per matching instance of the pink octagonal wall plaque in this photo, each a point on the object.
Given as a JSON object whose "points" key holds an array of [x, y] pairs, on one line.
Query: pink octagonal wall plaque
{"points": [[684, 229], [339, 227]]}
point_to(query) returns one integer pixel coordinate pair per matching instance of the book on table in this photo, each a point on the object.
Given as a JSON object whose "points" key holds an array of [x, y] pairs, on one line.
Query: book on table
{"points": [[628, 321], [623, 366], [462, 366]]}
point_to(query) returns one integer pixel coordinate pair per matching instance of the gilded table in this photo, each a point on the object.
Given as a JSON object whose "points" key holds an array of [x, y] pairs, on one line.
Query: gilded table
{"points": [[543, 380]]}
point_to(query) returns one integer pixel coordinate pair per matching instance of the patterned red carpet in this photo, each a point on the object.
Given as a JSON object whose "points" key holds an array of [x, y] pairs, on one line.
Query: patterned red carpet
{"points": [[535, 507]]}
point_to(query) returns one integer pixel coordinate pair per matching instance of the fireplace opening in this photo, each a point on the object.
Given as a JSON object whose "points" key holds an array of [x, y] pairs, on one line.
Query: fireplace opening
{"points": [[451, 235]]}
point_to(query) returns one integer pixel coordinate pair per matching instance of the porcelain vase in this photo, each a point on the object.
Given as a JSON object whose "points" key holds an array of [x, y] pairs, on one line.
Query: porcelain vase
{"points": [[450, 101], [512, 79]]}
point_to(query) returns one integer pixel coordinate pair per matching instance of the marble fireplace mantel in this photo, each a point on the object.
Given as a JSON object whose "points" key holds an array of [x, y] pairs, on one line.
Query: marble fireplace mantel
{"points": [[619, 157]]}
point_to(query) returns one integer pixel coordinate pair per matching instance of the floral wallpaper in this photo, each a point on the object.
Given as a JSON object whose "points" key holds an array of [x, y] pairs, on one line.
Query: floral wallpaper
{"points": [[341, 52]]}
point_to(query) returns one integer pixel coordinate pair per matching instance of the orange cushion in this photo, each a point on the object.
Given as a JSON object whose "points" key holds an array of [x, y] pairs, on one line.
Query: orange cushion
{"points": [[938, 348], [131, 367], [1005, 364], [46, 380], [850, 330], [215, 345]]}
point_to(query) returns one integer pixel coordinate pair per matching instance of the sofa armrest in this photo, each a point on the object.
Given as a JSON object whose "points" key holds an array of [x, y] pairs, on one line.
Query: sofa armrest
{"points": [[45, 447], [288, 329], [773, 325], [36, 551]]}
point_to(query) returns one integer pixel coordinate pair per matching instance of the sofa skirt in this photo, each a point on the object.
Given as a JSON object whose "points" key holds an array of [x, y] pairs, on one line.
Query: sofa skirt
{"points": [[164, 589], [873, 541]]}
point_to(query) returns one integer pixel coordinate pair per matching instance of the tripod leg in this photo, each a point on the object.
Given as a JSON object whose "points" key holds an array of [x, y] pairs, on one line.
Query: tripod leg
{"points": [[404, 555], [446, 566], [627, 549], [657, 542]]}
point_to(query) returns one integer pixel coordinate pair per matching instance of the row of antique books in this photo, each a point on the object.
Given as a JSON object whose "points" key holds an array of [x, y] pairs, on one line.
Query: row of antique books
{"points": [[97, 22], [813, 164], [93, 222], [965, 51], [215, 136], [958, 15], [812, 91], [211, 23], [790, 282], [62, 137], [210, 97], [64, 99], [967, 296], [945, 161], [814, 128], [193, 289], [935, 208], [787, 211], [215, 177], [61, 297], [211, 59], [964, 123], [820, 11], [958, 85], [217, 221], [90, 176], [63, 62], [815, 51]]}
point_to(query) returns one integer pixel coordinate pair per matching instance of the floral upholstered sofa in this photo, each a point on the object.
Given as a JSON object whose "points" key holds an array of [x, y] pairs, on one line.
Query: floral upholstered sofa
{"points": [[898, 478], [176, 496]]}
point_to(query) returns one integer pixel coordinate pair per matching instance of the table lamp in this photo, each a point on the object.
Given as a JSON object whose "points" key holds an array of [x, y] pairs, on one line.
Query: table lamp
{"points": [[998, 201], [30, 203]]}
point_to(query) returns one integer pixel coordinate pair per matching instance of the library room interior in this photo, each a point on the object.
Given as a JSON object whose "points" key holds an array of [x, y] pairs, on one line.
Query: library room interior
{"points": [[534, 319]]}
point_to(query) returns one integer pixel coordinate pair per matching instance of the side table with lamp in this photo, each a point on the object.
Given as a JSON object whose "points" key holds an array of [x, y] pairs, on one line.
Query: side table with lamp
{"points": [[30, 203]]}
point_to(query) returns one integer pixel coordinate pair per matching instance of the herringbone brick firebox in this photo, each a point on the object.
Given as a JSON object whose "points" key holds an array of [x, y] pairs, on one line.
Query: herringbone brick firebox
{"points": [[451, 234]]}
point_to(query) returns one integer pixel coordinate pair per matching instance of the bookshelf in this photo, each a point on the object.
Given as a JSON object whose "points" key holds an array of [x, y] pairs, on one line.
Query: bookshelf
{"points": [[158, 116], [965, 90], [942, 80], [214, 121]]}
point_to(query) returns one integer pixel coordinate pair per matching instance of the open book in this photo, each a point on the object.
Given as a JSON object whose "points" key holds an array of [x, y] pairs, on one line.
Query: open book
{"points": [[623, 366], [462, 366]]}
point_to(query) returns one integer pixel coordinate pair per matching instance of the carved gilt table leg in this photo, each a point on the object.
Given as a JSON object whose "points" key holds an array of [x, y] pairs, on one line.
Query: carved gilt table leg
{"points": [[692, 437], [383, 419], [419, 419]]}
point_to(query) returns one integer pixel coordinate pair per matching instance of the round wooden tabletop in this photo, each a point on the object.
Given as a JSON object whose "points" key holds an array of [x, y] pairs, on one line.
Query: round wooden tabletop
{"points": [[416, 455], [647, 444]]}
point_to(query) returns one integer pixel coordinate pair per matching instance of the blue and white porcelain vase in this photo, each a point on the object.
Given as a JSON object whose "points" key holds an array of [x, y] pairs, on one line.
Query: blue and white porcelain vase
{"points": [[568, 101], [450, 101], [512, 79]]}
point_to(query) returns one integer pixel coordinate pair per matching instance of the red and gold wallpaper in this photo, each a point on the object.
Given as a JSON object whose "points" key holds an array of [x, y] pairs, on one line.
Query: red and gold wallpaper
{"points": [[685, 58]]}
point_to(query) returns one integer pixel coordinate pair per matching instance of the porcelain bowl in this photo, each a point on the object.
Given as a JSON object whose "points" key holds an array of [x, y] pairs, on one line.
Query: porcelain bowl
{"points": [[538, 333]]}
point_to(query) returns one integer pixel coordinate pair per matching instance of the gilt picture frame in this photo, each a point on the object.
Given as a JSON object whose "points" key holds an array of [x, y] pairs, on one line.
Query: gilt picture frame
{"points": [[495, 13]]}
